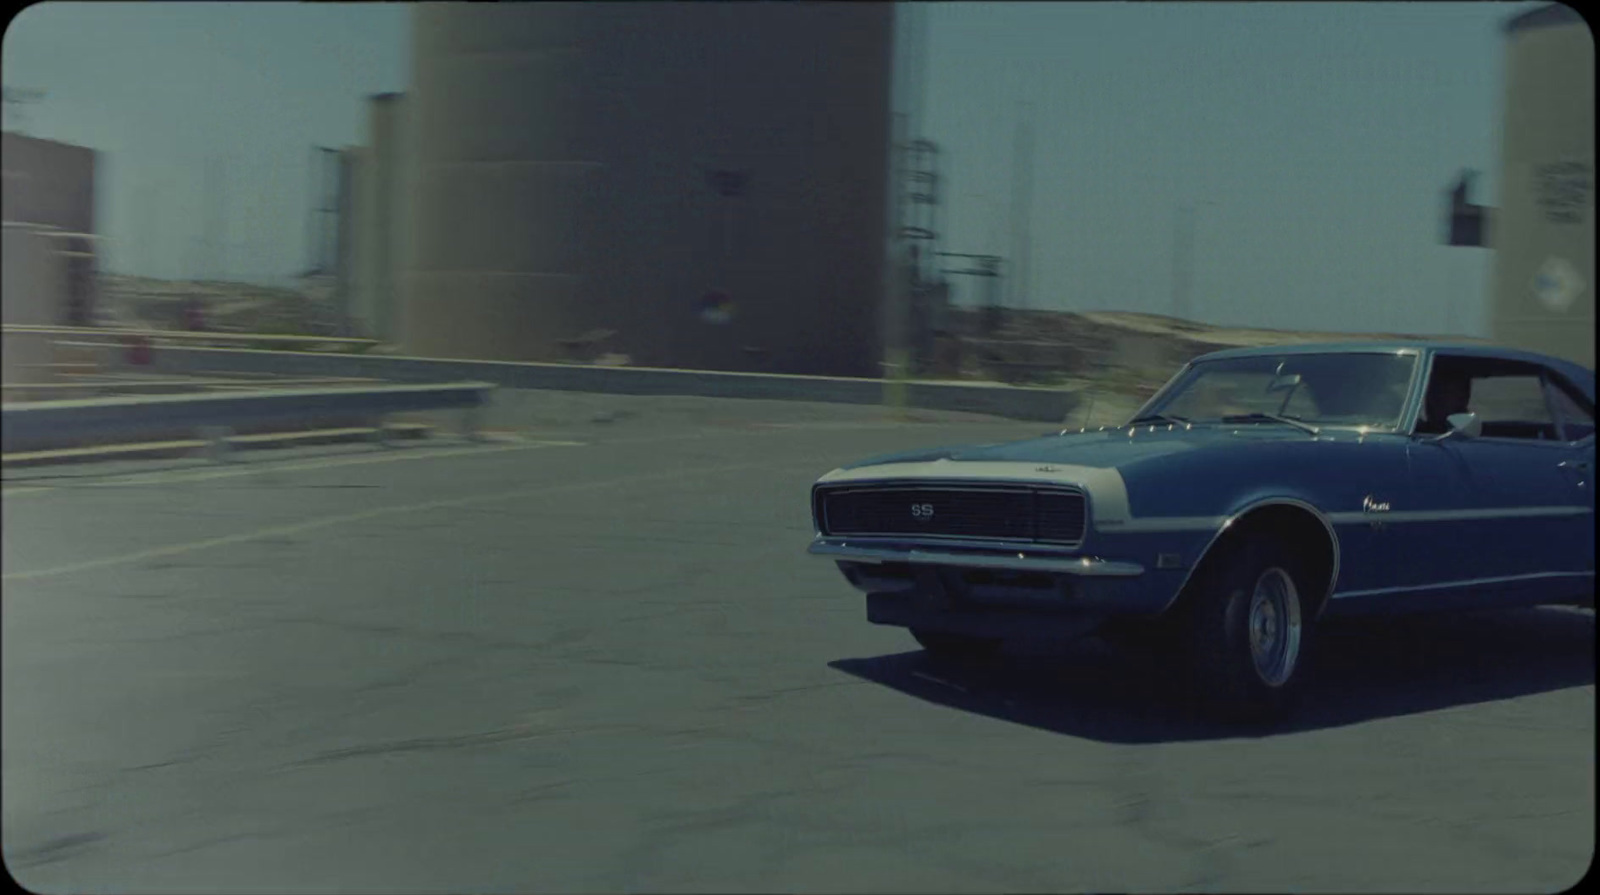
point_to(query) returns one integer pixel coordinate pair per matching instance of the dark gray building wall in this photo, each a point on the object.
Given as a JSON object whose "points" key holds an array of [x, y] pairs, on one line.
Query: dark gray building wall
{"points": [[47, 182], [563, 156]]}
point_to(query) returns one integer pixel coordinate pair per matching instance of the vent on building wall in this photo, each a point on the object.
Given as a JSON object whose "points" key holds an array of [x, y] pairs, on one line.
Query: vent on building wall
{"points": [[716, 307], [757, 356], [728, 183], [589, 347]]}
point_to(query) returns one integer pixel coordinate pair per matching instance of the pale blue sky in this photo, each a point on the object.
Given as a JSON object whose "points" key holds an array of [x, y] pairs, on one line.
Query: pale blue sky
{"points": [[1322, 133], [160, 88]]}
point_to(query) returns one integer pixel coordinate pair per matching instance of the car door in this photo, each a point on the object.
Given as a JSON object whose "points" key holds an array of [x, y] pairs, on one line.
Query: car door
{"points": [[1496, 512], [1575, 416]]}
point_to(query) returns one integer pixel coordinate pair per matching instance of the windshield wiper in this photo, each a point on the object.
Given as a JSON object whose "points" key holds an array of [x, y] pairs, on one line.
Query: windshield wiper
{"points": [[1271, 417], [1158, 418]]}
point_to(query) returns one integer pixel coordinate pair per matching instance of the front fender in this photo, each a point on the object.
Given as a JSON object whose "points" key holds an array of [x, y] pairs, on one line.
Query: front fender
{"points": [[1241, 516], [1332, 475]]}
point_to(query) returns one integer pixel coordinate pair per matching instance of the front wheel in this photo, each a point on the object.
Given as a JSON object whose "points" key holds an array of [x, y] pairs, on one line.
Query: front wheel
{"points": [[956, 647], [1249, 632]]}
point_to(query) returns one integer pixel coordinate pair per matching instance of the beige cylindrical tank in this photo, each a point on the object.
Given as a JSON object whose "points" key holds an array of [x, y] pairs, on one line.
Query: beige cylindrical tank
{"points": [[584, 167], [1543, 231], [388, 160], [380, 219], [365, 253]]}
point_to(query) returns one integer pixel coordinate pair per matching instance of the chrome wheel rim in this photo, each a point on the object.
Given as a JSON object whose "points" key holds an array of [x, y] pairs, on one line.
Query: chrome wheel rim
{"points": [[1274, 627]]}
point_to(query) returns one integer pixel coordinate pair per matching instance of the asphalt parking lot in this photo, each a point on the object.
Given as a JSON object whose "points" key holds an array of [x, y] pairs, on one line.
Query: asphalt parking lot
{"points": [[592, 655]]}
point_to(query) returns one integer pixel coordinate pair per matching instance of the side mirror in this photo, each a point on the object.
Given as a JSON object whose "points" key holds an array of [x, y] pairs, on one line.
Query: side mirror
{"points": [[1462, 425], [1466, 424]]}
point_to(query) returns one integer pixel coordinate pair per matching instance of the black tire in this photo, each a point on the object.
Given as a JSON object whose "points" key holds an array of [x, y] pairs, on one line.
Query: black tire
{"points": [[1258, 585], [957, 647]]}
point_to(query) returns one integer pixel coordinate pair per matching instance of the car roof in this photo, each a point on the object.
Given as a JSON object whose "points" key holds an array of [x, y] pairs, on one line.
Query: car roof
{"points": [[1543, 17], [1580, 376]]}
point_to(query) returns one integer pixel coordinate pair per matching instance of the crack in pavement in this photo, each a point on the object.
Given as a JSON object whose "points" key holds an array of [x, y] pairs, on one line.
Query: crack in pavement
{"points": [[58, 849], [445, 743], [454, 638]]}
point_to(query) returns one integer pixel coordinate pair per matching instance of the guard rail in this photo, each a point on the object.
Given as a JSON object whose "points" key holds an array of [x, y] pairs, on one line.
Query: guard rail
{"points": [[257, 340], [43, 425], [1052, 405]]}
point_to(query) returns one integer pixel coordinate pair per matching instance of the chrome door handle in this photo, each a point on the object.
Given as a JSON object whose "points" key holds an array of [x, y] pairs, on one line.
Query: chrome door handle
{"points": [[1579, 465]]}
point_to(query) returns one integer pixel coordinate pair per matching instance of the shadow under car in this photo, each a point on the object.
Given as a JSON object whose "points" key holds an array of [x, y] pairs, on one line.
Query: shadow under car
{"points": [[1358, 669]]}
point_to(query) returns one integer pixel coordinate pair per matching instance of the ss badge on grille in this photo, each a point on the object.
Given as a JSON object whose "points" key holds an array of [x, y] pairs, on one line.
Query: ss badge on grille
{"points": [[922, 511]]}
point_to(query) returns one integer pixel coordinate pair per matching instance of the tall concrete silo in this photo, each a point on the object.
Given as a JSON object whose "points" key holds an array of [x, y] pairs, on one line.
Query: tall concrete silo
{"points": [[47, 207], [382, 215], [1543, 231], [583, 167]]}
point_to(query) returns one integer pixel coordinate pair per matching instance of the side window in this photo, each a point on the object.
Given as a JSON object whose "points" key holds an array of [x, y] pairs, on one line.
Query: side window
{"points": [[1449, 393], [1513, 406], [1577, 421]]}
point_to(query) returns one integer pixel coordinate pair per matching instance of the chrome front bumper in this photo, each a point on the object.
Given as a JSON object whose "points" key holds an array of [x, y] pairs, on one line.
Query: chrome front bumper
{"points": [[1019, 558]]}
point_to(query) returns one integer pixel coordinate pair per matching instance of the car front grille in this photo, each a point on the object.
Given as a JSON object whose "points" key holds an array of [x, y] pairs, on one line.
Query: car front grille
{"points": [[1051, 515]]}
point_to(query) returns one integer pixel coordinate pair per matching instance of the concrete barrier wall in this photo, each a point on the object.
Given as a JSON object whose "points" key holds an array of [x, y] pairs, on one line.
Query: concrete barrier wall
{"points": [[1036, 404], [49, 425]]}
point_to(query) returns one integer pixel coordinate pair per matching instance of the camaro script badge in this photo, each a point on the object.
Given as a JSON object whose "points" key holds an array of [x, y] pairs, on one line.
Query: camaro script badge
{"points": [[1374, 509]]}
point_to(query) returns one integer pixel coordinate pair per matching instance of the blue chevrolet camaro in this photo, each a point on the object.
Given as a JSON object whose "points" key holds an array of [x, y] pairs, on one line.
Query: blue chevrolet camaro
{"points": [[1259, 491]]}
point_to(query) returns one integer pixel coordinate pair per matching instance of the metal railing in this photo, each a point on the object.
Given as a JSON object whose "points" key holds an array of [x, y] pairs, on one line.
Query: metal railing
{"points": [[88, 385], [275, 341], [43, 425]]}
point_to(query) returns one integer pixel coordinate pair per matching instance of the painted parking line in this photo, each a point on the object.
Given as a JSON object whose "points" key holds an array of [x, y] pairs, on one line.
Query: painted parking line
{"points": [[328, 463], [211, 474], [295, 528]]}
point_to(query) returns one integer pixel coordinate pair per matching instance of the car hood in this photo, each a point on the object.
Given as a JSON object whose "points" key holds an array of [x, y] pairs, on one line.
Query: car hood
{"points": [[1105, 449], [1201, 472]]}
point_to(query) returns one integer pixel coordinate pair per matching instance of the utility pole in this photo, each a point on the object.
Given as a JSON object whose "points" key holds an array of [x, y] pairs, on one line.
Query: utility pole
{"points": [[1022, 210], [324, 208], [314, 225], [987, 268], [141, 245], [208, 245], [1450, 313], [1182, 261], [897, 304], [991, 219], [906, 121], [216, 190], [1183, 258]]}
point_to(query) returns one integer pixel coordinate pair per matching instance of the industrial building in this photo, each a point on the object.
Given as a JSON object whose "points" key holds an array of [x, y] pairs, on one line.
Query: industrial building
{"points": [[719, 186], [379, 201], [47, 205], [1543, 231], [47, 183], [688, 185]]}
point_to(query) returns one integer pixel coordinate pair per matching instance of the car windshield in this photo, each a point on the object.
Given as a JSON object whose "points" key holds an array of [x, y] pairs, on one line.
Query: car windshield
{"points": [[1333, 389]]}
